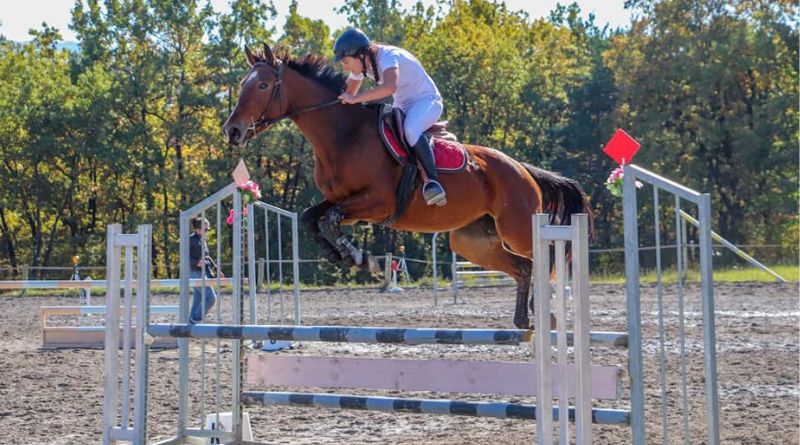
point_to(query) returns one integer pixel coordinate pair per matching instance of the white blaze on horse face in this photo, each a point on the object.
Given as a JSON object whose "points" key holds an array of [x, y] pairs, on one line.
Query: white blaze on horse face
{"points": [[253, 75]]}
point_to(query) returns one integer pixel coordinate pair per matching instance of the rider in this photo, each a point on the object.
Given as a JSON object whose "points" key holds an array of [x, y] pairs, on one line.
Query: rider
{"points": [[399, 74]]}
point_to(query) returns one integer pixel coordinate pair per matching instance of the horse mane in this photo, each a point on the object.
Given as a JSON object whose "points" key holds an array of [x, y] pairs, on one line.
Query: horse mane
{"points": [[317, 68]]}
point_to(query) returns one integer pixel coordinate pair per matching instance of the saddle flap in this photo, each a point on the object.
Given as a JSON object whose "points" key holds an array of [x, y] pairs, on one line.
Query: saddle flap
{"points": [[399, 118]]}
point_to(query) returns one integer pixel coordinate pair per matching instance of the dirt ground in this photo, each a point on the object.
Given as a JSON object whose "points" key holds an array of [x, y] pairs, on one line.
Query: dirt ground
{"points": [[56, 397]]}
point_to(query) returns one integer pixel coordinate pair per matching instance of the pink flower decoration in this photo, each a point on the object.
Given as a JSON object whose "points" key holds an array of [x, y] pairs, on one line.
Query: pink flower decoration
{"points": [[614, 182], [229, 220], [251, 188], [615, 175]]}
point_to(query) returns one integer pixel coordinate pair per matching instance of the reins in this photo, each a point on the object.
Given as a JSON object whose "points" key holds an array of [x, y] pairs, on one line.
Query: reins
{"points": [[263, 121]]}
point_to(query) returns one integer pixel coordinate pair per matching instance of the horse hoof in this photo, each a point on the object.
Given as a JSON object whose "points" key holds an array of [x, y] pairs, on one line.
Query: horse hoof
{"points": [[522, 324]]}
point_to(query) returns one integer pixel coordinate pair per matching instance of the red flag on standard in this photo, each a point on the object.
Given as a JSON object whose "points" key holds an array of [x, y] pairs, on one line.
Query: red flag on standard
{"points": [[621, 148]]}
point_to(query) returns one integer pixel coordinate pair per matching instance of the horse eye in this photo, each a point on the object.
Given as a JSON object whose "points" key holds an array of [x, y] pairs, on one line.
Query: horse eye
{"points": [[263, 86]]}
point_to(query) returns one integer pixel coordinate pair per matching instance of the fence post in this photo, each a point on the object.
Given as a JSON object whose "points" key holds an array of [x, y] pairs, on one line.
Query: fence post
{"points": [[435, 282], [709, 331], [631, 229], [260, 281], [387, 272]]}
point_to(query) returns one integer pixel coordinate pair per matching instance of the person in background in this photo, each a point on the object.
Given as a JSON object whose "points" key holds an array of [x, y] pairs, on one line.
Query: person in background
{"points": [[201, 265]]}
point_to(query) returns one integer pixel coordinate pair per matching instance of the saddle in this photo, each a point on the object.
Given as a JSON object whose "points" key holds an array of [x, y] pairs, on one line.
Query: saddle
{"points": [[450, 155]]}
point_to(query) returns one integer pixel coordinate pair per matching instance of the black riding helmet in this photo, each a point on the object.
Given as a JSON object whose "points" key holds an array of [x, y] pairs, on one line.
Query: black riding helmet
{"points": [[350, 44]]}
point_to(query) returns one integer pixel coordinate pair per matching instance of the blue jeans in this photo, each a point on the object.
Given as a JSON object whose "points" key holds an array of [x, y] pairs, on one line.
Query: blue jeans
{"points": [[196, 315]]}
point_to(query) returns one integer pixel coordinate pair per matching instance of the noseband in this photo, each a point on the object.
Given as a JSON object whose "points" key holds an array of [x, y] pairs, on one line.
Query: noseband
{"points": [[263, 121]]}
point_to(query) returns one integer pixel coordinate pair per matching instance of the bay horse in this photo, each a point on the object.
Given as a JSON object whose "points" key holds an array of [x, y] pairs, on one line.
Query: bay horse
{"points": [[489, 204]]}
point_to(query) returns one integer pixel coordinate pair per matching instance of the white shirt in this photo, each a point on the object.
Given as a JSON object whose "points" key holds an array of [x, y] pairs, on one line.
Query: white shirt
{"points": [[413, 83]]}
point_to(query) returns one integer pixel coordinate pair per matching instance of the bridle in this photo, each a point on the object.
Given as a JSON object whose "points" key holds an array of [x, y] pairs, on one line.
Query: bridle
{"points": [[263, 121]]}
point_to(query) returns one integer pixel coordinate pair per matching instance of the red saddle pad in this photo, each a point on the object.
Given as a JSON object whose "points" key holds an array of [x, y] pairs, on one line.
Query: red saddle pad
{"points": [[450, 156]]}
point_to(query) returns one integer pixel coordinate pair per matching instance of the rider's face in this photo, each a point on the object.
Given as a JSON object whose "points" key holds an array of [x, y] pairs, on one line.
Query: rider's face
{"points": [[352, 64]]}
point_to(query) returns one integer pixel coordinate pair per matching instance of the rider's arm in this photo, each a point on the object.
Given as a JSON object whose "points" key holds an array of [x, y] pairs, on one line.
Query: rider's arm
{"points": [[385, 89], [354, 84]]}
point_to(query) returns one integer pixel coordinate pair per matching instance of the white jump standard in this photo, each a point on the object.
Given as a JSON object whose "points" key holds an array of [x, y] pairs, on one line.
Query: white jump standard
{"points": [[550, 378], [583, 414]]}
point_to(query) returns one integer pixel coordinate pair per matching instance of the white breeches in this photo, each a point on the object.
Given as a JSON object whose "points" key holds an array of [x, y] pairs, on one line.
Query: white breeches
{"points": [[420, 115]]}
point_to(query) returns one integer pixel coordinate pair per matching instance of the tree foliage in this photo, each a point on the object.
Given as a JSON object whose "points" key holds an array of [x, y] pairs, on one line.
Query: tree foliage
{"points": [[127, 129]]}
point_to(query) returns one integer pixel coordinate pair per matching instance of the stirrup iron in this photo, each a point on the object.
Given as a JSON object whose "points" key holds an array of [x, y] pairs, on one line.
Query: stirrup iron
{"points": [[434, 197]]}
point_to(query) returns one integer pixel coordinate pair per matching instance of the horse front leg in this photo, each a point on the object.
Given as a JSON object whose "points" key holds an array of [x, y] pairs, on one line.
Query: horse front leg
{"points": [[347, 249], [311, 218]]}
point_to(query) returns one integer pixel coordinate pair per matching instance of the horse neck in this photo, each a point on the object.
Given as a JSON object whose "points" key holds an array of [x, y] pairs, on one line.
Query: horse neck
{"points": [[327, 128]]}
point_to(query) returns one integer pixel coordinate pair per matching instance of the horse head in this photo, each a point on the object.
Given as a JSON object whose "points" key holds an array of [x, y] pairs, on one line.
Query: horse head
{"points": [[262, 101]]}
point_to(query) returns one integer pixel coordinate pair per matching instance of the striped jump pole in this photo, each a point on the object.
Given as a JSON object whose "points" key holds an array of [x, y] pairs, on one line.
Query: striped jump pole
{"points": [[338, 334], [499, 410], [348, 334]]}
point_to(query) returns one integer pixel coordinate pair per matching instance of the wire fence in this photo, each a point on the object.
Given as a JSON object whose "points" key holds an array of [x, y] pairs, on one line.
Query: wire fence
{"points": [[317, 271]]}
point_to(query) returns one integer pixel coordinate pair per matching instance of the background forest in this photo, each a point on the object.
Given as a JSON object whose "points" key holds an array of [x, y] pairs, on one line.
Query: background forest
{"points": [[127, 128]]}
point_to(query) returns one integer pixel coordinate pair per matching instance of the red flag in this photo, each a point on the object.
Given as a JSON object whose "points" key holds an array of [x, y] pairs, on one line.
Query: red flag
{"points": [[621, 148]]}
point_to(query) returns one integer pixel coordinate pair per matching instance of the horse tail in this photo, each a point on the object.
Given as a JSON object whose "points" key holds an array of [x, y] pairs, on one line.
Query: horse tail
{"points": [[561, 197]]}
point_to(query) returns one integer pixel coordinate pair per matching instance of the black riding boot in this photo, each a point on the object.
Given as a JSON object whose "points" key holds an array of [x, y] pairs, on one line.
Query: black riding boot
{"points": [[432, 191]]}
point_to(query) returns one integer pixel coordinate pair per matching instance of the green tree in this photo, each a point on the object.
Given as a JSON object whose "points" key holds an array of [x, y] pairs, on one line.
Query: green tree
{"points": [[382, 20], [710, 88], [304, 35]]}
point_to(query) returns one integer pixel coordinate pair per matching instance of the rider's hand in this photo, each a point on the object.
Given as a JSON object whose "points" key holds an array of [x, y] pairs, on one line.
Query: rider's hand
{"points": [[348, 98]]}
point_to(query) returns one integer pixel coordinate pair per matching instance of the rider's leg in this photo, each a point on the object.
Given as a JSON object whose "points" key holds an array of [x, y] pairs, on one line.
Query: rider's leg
{"points": [[419, 117]]}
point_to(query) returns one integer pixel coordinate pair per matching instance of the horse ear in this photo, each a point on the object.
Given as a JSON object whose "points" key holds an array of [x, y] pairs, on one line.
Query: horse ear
{"points": [[251, 58], [268, 57]]}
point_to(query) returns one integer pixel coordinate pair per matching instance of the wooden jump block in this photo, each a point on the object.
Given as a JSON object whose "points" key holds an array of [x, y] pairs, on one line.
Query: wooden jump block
{"points": [[90, 337], [515, 379]]}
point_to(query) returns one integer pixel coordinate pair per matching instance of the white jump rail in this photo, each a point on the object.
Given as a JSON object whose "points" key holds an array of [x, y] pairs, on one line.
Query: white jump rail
{"points": [[466, 273], [99, 284]]}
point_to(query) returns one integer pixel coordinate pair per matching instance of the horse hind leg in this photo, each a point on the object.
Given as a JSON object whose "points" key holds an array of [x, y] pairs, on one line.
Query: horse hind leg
{"points": [[518, 238], [479, 243]]}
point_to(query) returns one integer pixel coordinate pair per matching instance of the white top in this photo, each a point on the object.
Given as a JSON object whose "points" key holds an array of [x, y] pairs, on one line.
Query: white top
{"points": [[413, 82]]}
